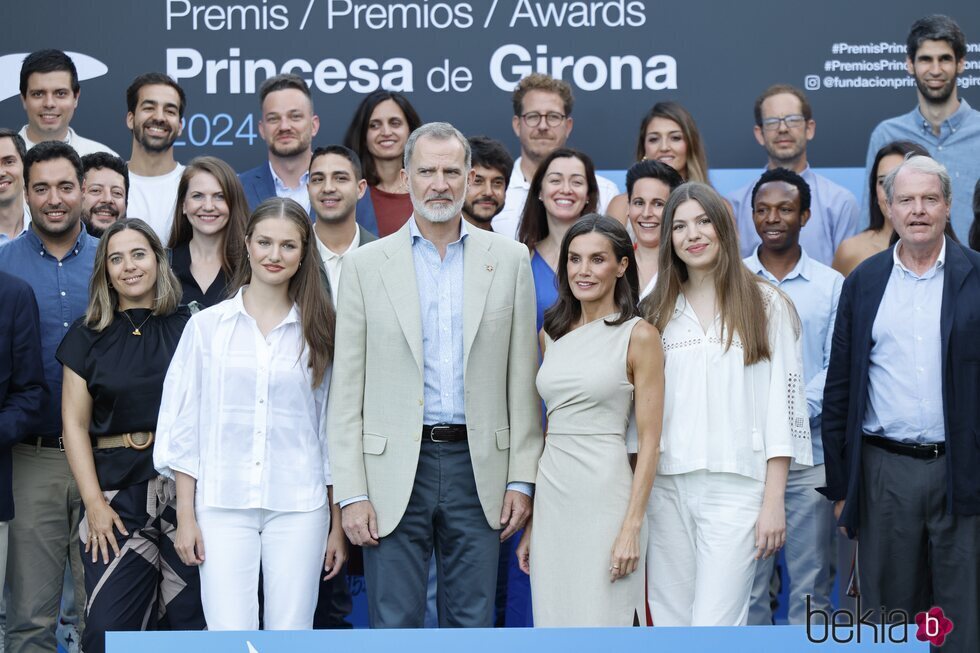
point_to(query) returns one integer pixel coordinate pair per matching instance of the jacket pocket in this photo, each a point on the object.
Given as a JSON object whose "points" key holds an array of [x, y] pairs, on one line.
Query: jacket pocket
{"points": [[503, 438], [374, 444]]}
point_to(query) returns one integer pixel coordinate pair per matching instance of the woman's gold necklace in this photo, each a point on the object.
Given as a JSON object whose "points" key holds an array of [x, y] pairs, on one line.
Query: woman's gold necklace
{"points": [[136, 329]]}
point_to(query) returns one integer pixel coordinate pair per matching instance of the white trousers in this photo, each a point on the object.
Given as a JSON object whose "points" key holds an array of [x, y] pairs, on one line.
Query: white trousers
{"points": [[290, 547], [700, 561]]}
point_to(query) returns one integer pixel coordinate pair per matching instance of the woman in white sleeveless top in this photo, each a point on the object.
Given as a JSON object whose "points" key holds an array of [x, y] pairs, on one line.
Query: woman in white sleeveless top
{"points": [[586, 546]]}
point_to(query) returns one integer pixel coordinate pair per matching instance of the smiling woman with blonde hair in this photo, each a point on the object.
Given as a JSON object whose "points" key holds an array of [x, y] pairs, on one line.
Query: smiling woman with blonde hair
{"points": [[115, 359]]}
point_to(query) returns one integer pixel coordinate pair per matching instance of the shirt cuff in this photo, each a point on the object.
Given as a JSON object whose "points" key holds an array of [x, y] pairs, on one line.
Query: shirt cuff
{"points": [[523, 488], [347, 502]]}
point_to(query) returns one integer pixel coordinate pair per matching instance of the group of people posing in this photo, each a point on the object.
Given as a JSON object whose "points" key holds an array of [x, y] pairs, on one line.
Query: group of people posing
{"points": [[212, 384]]}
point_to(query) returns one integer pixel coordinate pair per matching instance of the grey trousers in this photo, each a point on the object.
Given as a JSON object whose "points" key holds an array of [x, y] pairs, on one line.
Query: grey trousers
{"points": [[913, 555], [43, 536], [444, 515], [809, 551]]}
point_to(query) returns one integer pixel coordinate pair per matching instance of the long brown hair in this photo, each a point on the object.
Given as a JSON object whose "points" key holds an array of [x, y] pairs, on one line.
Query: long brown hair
{"points": [[740, 299], [234, 232], [697, 160], [533, 227], [103, 300], [567, 310], [306, 288]]}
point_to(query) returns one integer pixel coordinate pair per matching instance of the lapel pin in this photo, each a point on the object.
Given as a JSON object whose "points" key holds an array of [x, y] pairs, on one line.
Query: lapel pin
{"points": [[489, 268]]}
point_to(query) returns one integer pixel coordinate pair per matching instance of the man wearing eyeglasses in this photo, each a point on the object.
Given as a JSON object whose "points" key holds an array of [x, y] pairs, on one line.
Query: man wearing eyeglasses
{"points": [[783, 125], [542, 121]]}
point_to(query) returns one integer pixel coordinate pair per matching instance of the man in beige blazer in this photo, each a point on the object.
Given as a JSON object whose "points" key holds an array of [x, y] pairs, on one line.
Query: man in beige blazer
{"points": [[433, 420]]}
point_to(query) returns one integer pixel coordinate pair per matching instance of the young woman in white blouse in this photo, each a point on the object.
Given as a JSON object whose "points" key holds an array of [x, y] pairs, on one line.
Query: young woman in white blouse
{"points": [[242, 429], [735, 416]]}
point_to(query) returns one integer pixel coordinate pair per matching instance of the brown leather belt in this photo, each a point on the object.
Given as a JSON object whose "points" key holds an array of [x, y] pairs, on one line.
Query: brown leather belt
{"points": [[139, 441]]}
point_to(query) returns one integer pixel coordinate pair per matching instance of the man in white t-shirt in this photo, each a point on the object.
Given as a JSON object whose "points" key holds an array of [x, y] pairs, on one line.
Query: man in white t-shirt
{"points": [[155, 106], [542, 121], [49, 91]]}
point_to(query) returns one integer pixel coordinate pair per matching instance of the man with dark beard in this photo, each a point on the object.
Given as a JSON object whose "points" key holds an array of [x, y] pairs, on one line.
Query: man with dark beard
{"points": [[493, 165], [155, 106], [287, 126], [105, 190], [942, 122]]}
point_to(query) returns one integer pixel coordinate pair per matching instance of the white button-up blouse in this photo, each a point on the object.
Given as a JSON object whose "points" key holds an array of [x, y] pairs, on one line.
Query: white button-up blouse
{"points": [[240, 416], [722, 416]]}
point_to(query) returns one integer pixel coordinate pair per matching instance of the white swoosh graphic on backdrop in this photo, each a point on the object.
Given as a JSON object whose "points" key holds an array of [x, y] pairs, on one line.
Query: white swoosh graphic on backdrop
{"points": [[88, 68]]}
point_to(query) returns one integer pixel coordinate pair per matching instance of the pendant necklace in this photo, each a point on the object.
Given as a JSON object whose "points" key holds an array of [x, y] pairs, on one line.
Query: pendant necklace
{"points": [[136, 329]]}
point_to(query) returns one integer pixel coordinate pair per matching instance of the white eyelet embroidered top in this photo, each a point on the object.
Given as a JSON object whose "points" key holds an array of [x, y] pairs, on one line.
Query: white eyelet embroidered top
{"points": [[722, 416], [239, 413]]}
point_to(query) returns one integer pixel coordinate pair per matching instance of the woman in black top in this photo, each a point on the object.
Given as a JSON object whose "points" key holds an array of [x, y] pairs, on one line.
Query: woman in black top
{"points": [[208, 234], [115, 359]]}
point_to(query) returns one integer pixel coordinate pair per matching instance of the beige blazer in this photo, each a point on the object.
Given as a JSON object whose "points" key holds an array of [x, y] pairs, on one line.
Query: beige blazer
{"points": [[374, 416]]}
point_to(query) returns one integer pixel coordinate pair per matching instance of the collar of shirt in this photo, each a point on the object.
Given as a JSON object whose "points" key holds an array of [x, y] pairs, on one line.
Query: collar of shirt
{"points": [[801, 269], [69, 138], [517, 179], [413, 231], [928, 274], [327, 254], [281, 185], [955, 121], [80, 243], [235, 307]]}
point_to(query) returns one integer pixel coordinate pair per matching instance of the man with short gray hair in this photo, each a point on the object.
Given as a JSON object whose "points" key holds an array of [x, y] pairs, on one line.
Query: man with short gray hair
{"points": [[435, 433], [900, 412]]}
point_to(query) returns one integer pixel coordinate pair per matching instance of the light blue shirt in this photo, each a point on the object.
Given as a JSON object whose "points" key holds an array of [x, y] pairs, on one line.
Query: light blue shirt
{"points": [[440, 285], [956, 148], [815, 291], [300, 193], [905, 379], [834, 217]]}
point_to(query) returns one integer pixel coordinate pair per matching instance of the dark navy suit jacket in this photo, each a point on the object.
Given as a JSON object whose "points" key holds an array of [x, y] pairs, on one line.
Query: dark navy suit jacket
{"points": [[846, 390], [259, 185], [22, 387]]}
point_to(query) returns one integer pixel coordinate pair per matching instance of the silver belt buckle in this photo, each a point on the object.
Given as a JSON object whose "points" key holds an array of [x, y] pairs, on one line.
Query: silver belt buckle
{"points": [[432, 432]]}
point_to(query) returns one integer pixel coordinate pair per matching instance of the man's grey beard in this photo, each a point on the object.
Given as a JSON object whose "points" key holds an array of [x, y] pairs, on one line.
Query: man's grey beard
{"points": [[436, 215]]}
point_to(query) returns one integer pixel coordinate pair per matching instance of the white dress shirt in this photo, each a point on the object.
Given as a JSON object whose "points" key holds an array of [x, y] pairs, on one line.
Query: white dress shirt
{"points": [[509, 219], [240, 416], [300, 193], [722, 416], [332, 261]]}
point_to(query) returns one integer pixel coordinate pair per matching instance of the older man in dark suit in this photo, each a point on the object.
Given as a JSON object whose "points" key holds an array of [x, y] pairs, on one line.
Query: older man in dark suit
{"points": [[902, 411]]}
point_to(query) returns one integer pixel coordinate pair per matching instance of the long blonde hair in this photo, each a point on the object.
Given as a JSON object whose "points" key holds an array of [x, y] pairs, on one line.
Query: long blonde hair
{"points": [[104, 300], [306, 287], [740, 298]]}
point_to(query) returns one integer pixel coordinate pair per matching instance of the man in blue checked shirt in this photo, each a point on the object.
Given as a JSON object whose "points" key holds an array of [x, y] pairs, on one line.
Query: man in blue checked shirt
{"points": [[780, 209]]}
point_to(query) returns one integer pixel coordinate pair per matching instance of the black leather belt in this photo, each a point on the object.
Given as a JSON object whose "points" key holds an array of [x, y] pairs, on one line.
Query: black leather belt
{"points": [[444, 432], [51, 443], [930, 451]]}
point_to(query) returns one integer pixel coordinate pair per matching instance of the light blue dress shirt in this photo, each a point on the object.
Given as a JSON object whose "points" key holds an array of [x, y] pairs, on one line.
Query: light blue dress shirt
{"points": [[61, 289], [834, 217], [440, 285], [955, 147], [815, 291], [905, 379]]}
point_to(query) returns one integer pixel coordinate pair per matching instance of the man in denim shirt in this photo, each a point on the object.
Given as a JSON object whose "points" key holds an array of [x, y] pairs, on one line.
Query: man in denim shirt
{"points": [[55, 256], [944, 124]]}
